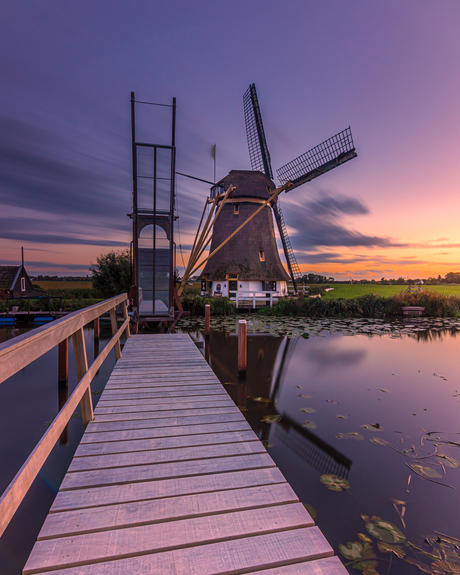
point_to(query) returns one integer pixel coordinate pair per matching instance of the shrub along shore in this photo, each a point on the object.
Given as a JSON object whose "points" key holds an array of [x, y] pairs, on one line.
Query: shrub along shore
{"points": [[366, 306], [369, 305]]}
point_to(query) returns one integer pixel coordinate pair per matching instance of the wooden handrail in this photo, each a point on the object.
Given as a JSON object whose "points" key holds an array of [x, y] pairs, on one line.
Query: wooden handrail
{"points": [[23, 350], [19, 352]]}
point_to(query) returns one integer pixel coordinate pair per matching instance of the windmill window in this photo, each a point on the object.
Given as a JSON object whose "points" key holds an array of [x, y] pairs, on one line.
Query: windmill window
{"points": [[269, 286], [236, 209], [232, 276], [262, 256], [23, 284]]}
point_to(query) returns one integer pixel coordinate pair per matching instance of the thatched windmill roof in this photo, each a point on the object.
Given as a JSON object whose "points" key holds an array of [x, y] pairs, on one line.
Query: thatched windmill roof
{"points": [[252, 253]]}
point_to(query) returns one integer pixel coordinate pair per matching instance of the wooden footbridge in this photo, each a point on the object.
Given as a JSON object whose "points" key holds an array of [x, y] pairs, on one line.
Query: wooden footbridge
{"points": [[168, 478]]}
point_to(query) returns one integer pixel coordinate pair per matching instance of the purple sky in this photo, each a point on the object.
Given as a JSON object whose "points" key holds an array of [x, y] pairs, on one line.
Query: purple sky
{"points": [[389, 69]]}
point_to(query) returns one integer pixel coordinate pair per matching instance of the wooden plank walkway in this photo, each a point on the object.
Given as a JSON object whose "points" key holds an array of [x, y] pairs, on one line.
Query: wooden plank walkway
{"points": [[170, 479]]}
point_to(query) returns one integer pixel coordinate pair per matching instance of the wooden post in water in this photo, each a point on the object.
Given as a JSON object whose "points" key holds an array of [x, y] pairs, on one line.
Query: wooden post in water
{"points": [[207, 315], [97, 329], [63, 363], [242, 348]]}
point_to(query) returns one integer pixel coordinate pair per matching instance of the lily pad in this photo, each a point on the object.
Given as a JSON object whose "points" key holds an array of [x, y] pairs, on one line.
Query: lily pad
{"points": [[307, 409], [428, 472], [445, 568], [384, 530], [341, 417], [383, 390], [309, 424], [371, 427], [388, 548], [355, 435], [242, 408], [423, 567], [261, 399], [334, 482], [362, 555], [306, 396], [378, 441], [449, 461], [271, 418], [364, 538]]}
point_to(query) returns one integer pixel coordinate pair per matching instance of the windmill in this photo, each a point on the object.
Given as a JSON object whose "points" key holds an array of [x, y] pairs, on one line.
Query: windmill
{"points": [[243, 251]]}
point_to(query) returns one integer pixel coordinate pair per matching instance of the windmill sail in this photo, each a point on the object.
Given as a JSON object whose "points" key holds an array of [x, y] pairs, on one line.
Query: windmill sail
{"points": [[258, 149], [260, 160], [294, 270], [319, 160]]}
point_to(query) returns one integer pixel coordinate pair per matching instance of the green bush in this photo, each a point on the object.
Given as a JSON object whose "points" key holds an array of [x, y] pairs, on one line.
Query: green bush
{"points": [[369, 306], [195, 305]]}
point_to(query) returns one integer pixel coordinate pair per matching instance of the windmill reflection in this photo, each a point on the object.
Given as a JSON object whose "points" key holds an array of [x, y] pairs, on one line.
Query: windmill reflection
{"points": [[268, 360], [312, 449]]}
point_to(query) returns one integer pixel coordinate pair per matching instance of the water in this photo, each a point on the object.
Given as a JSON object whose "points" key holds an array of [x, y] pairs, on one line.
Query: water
{"points": [[406, 381], [29, 401], [407, 384]]}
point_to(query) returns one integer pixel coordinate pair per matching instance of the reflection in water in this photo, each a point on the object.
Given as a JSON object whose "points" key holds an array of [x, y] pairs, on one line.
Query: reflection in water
{"points": [[63, 396], [333, 357], [316, 452], [347, 383]]}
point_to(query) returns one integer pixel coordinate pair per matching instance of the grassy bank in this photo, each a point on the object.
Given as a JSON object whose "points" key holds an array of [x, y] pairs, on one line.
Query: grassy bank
{"points": [[368, 306], [350, 291]]}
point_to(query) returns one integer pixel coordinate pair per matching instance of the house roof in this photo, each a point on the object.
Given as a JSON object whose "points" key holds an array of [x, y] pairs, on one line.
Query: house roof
{"points": [[7, 276]]}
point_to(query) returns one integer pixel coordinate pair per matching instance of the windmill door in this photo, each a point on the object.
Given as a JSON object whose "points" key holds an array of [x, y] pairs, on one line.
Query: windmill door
{"points": [[232, 286]]}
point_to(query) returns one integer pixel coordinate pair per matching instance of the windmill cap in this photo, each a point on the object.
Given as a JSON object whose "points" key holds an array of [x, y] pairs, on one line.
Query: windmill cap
{"points": [[248, 184]]}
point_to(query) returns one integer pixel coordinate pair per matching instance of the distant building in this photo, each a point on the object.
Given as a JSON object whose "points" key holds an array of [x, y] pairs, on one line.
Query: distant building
{"points": [[15, 282]]}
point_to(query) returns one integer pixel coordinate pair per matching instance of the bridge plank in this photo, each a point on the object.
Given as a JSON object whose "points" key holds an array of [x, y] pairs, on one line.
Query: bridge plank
{"points": [[108, 545], [226, 416], [160, 432], [182, 441], [102, 477], [235, 556], [169, 478], [148, 490], [158, 457], [182, 507]]}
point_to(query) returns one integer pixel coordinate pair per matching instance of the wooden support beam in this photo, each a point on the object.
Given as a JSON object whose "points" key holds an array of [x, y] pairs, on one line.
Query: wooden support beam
{"points": [[113, 321], [63, 363], [97, 328], [272, 196], [81, 363]]}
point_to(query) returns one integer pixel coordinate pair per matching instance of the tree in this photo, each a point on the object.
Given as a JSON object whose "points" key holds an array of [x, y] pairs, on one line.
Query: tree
{"points": [[112, 273], [453, 278]]}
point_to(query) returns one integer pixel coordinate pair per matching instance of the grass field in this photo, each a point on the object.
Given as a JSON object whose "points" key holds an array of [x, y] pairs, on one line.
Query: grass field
{"points": [[350, 291], [63, 285]]}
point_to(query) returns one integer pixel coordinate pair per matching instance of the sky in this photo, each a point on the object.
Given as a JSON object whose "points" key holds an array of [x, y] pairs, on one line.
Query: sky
{"points": [[388, 69]]}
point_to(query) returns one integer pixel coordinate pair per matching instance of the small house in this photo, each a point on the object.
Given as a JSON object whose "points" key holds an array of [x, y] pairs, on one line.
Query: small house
{"points": [[15, 283]]}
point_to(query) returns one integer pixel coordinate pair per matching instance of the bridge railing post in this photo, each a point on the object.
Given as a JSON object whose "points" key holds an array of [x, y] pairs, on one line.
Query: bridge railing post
{"points": [[113, 321], [81, 363]]}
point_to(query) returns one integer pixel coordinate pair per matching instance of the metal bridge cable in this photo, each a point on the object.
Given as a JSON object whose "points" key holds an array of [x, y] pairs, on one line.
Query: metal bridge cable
{"points": [[153, 104], [178, 228]]}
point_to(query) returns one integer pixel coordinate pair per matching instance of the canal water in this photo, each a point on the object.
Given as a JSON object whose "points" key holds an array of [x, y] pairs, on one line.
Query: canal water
{"points": [[374, 403]]}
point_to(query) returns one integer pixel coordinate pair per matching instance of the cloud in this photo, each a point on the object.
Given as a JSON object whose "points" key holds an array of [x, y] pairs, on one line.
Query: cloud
{"points": [[316, 223], [59, 177]]}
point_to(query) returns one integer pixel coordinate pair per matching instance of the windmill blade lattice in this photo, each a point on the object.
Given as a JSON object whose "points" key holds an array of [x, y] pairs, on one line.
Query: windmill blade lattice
{"points": [[260, 160], [257, 144], [320, 159]]}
